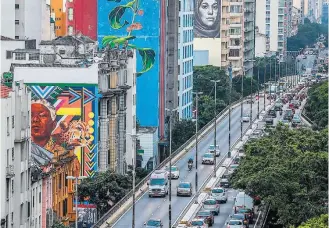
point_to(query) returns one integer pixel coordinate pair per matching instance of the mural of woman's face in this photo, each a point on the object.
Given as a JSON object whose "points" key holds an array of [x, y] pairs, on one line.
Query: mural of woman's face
{"points": [[208, 11]]}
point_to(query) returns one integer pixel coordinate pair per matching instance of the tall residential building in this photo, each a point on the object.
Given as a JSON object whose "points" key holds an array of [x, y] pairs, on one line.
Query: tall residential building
{"points": [[185, 61], [236, 36], [25, 19], [225, 26], [15, 176], [324, 17], [274, 18], [81, 18], [58, 14], [249, 36]]}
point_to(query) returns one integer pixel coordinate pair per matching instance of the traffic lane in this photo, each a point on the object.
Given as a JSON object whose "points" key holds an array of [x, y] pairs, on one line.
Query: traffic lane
{"points": [[156, 204]]}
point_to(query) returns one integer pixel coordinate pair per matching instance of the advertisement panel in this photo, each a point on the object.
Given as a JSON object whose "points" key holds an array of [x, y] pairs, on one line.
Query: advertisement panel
{"points": [[64, 118], [207, 18], [137, 24]]}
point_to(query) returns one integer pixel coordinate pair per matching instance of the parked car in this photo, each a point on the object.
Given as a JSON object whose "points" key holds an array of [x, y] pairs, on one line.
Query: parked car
{"points": [[198, 223], [174, 172], [288, 114], [246, 117], [207, 216], [241, 216], [272, 113], [295, 103], [208, 158], [184, 189], [248, 212], [153, 223], [219, 194], [232, 168], [233, 223], [211, 205]]}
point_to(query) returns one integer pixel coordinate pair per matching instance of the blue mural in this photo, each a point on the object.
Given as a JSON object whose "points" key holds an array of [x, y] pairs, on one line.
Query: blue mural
{"points": [[138, 24]]}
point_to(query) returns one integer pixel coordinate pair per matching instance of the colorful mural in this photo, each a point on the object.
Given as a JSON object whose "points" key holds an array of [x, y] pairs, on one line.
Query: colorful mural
{"points": [[137, 24], [64, 118]]}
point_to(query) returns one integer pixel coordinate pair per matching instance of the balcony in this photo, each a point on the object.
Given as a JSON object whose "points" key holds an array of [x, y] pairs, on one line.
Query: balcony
{"points": [[235, 69], [224, 39], [10, 171], [235, 47], [225, 3], [235, 25], [235, 14], [225, 15], [235, 36], [234, 57], [248, 10], [224, 51], [22, 137], [225, 27]]}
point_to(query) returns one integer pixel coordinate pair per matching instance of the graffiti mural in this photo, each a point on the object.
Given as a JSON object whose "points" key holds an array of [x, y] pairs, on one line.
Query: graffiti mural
{"points": [[64, 118], [207, 14], [136, 24]]}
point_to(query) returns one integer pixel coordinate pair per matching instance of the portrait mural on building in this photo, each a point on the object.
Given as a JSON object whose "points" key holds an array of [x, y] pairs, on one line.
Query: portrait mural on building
{"points": [[63, 119], [207, 14]]}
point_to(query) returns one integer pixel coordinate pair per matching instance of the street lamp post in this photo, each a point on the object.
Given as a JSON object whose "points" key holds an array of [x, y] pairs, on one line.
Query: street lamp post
{"points": [[265, 84], [76, 195], [229, 110], [251, 79], [215, 120], [196, 139], [258, 92], [241, 126]]}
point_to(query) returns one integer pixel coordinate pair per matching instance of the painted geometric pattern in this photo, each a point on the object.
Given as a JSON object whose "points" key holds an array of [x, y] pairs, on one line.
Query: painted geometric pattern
{"points": [[79, 118]]}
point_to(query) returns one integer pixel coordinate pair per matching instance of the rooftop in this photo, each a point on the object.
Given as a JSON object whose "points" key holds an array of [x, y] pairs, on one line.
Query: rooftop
{"points": [[13, 65], [68, 40], [4, 91], [27, 51], [144, 130]]}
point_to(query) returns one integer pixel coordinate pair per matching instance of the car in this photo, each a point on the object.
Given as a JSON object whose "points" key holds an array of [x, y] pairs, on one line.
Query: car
{"points": [[272, 113], [258, 132], [233, 223], [211, 205], [232, 168], [241, 216], [153, 223], [212, 149], [288, 114], [184, 189], [198, 223], [208, 158], [250, 100], [278, 106], [219, 194], [285, 122], [246, 117], [207, 216], [174, 172], [269, 120], [248, 213], [224, 182], [271, 97], [304, 57], [296, 121]]}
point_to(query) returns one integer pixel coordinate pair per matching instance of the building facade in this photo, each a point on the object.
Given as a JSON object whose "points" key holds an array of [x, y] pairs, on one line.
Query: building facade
{"points": [[147, 154], [59, 16], [249, 36], [185, 61], [81, 18], [324, 17], [15, 176]]}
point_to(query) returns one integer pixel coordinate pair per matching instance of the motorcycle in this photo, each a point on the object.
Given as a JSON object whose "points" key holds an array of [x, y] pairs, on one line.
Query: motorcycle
{"points": [[189, 165]]}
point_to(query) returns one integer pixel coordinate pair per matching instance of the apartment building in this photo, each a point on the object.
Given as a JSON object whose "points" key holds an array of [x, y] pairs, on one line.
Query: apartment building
{"points": [[15, 198], [236, 36], [26, 19], [249, 36], [274, 19], [58, 14], [225, 25], [185, 59]]}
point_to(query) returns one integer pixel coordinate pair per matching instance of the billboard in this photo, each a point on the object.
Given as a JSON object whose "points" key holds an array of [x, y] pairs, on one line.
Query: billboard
{"points": [[207, 18], [65, 118], [137, 24]]}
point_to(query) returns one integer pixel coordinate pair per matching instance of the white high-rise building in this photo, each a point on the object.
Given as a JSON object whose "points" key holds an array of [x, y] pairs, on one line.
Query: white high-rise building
{"points": [[15, 178], [185, 58], [22, 19]]}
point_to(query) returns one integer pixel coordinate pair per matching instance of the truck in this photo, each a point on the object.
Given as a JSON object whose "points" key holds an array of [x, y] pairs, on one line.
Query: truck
{"points": [[158, 183]]}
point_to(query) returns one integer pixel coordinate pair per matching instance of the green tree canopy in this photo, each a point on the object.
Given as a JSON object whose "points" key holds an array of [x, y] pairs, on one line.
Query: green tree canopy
{"points": [[318, 222], [289, 170], [316, 107]]}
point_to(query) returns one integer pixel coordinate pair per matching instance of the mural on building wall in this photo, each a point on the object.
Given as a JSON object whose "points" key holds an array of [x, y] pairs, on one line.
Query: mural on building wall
{"points": [[64, 118], [207, 14], [137, 24]]}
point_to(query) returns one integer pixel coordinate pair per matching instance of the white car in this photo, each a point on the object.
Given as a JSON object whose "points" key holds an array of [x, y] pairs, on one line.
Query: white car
{"points": [[198, 223], [235, 224], [212, 149], [174, 172], [208, 158], [219, 194], [211, 205], [246, 117]]}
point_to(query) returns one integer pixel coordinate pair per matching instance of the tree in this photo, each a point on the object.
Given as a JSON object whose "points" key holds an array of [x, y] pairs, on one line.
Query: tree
{"points": [[318, 222], [287, 169], [181, 132], [316, 107]]}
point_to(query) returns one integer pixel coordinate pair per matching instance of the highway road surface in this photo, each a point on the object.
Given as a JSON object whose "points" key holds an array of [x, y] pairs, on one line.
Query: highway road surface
{"points": [[157, 208]]}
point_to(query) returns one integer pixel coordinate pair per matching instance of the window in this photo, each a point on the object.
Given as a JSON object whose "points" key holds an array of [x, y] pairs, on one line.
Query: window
{"points": [[20, 56], [9, 54], [7, 125], [13, 122], [16, 6], [70, 12], [16, 37], [12, 186], [61, 52], [70, 30], [12, 154], [34, 56], [134, 121], [125, 76], [52, 10], [16, 22], [134, 99], [7, 189]]}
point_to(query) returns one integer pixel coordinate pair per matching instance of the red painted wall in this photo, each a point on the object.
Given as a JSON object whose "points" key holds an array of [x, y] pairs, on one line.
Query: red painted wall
{"points": [[84, 17]]}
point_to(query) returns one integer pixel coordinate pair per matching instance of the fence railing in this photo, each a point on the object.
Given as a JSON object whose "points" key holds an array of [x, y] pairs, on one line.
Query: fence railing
{"points": [[205, 130]]}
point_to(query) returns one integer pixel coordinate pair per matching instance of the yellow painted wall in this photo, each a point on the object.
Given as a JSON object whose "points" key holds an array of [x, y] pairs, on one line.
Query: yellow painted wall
{"points": [[213, 45], [57, 7]]}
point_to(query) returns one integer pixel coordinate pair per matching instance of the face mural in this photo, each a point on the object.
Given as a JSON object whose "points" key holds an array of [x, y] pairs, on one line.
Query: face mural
{"points": [[207, 18], [64, 119]]}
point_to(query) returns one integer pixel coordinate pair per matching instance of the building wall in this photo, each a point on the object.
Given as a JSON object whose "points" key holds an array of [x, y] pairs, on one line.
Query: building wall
{"points": [[146, 35], [9, 45], [47, 203], [260, 45], [57, 8], [185, 61], [81, 17], [7, 18], [201, 58], [212, 46], [148, 143], [15, 142], [36, 206]]}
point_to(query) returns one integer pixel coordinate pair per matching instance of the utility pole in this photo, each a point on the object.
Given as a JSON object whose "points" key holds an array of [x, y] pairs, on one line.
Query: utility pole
{"points": [[215, 120], [270, 85], [196, 139], [241, 126], [265, 83], [229, 111], [258, 91], [250, 122]]}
